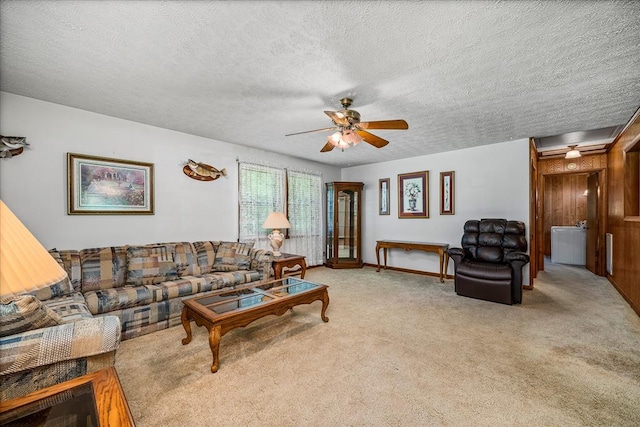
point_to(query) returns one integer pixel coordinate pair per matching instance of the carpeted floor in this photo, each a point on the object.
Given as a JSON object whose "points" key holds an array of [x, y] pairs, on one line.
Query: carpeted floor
{"points": [[403, 350]]}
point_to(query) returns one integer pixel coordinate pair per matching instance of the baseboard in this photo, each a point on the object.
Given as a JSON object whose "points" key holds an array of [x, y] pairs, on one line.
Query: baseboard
{"points": [[626, 298], [406, 270]]}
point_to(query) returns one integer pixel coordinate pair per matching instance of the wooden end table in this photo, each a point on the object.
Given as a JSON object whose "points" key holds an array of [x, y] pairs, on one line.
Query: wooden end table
{"points": [[288, 261], [92, 399]]}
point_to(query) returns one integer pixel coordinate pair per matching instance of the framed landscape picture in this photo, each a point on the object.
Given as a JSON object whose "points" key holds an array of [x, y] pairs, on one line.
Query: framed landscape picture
{"points": [[104, 186], [384, 202], [413, 195], [447, 199]]}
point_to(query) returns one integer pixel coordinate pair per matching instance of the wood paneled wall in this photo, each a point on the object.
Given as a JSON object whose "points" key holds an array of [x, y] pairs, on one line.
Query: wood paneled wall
{"points": [[565, 203], [624, 228]]}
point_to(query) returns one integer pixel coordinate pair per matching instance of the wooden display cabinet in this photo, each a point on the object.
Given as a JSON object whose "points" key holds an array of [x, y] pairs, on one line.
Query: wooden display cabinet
{"points": [[343, 231]]}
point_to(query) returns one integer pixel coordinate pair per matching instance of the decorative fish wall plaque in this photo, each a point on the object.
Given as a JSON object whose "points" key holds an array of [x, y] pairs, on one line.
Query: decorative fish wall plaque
{"points": [[12, 146], [202, 171]]}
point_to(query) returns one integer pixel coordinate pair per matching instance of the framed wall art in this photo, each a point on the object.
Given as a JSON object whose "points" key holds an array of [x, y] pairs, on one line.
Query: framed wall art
{"points": [[413, 195], [447, 194], [104, 186], [384, 202]]}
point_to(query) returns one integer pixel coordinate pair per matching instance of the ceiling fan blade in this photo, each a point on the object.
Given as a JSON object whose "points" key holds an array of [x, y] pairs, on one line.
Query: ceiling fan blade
{"points": [[315, 130], [376, 141], [327, 147], [338, 118], [384, 124]]}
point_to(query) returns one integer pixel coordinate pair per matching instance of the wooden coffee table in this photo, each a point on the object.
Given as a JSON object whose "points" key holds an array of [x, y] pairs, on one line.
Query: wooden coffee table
{"points": [[227, 309]]}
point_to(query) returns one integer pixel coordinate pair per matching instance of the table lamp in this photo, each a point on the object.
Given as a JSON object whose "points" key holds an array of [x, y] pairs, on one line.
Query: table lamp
{"points": [[25, 265], [276, 221]]}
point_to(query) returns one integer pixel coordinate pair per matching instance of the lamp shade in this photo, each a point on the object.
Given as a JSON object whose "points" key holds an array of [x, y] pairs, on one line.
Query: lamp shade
{"points": [[276, 220], [25, 265]]}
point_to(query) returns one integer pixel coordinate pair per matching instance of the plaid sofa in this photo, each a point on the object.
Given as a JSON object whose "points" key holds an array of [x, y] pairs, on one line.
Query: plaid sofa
{"points": [[144, 285], [49, 337], [117, 293]]}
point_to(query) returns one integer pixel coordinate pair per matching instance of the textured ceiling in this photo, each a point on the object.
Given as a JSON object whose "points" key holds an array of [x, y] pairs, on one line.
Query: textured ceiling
{"points": [[248, 72]]}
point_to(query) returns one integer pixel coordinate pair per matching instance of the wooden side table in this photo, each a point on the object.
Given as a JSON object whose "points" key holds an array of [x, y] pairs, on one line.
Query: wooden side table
{"points": [[92, 399], [288, 261]]}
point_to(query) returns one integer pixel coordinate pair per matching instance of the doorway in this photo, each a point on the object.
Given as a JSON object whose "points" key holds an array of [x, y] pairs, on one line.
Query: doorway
{"points": [[569, 199]]}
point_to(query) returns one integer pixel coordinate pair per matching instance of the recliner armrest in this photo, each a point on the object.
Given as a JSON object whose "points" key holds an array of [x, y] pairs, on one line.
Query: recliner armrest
{"points": [[517, 261], [457, 254], [516, 257]]}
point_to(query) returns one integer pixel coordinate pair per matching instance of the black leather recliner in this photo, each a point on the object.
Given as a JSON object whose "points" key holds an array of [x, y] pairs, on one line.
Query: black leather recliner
{"points": [[489, 264]]}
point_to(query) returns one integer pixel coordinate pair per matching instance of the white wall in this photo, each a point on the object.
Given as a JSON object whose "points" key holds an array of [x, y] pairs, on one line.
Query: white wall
{"points": [[34, 184], [491, 181]]}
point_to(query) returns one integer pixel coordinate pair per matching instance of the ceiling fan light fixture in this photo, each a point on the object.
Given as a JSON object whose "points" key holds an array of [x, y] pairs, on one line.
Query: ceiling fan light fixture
{"points": [[351, 137], [572, 153], [336, 140], [351, 131], [335, 137]]}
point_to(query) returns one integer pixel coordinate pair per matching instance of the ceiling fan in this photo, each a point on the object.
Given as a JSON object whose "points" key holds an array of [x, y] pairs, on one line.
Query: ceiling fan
{"points": [[351, 131]]}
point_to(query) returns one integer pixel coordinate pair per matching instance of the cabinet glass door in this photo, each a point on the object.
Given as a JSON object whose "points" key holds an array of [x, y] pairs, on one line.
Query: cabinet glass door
{"points": [[347, 225], [343, 229], [330, 212]]}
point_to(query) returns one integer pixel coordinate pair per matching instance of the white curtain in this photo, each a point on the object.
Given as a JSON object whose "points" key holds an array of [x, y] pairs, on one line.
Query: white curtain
{"points": [[265, 189], [304, 190], [261, 191]]}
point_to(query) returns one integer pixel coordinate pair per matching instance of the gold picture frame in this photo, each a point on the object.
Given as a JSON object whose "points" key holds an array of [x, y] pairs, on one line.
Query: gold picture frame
{"points": [[413, 195], [106, 186]]}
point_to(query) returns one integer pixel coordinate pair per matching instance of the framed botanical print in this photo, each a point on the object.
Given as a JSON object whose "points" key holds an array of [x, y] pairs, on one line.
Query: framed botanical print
{"points": [[104, 186], [413, 195], [384, 202], [447, 188]]}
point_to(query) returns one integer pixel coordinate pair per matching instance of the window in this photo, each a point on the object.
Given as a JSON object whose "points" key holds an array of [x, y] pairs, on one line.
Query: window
{"points": [[264, 189], [261, 191]]}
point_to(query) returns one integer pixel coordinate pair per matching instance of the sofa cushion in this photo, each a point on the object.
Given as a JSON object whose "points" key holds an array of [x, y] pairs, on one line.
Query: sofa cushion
{"points": [[71, 263], [232, 256], [63, 287], [24, 313], [103, 268], [184, 257], [108, 300], [70, 307], [147, 265], [180, 287], [219, 280], [206, 255]]}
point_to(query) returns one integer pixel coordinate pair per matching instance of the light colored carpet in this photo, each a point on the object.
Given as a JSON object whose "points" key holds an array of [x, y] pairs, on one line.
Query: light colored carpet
{"points": [[403, 350]]}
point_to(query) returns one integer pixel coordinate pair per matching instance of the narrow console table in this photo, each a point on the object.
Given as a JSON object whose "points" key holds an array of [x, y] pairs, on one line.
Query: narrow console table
{"points": [[439, 248]]}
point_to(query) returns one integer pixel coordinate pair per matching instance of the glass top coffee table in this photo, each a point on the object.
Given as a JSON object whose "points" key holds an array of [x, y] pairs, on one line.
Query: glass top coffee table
{"points": [[230, 308]]}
